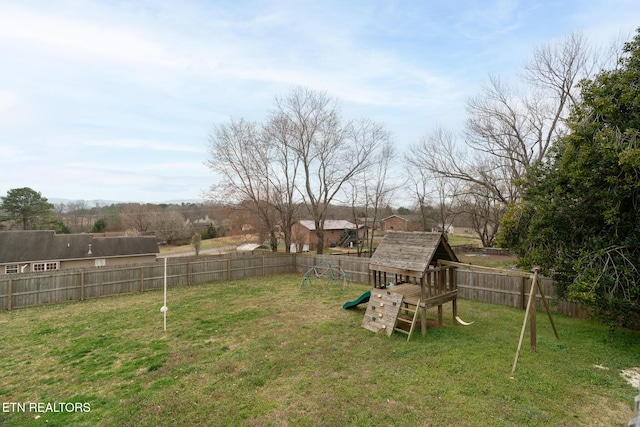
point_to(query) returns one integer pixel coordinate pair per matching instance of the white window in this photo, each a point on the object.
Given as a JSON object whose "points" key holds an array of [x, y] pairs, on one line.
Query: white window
{"points": [[100, 262], [11, 268], [45, 266]]}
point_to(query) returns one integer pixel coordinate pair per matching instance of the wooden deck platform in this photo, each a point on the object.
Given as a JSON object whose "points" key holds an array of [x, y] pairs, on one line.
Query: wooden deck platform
{"points": [[411, 294]]}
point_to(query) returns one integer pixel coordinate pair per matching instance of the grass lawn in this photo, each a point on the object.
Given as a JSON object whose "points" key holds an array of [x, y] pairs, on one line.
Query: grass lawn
{"points": [[495, 261], [455, 240], [219, 242], [258, 352]]}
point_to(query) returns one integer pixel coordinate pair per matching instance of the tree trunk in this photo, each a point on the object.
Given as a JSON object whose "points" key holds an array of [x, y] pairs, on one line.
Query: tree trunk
{"points": [[320, 236], [287, 241]]}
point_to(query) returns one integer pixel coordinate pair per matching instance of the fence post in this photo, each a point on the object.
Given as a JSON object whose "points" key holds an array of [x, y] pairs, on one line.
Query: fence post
{"points": [[523, 284], [472, 291], [9, 295], [82, 286], [228, 268], [188, 273], [141, 279]]}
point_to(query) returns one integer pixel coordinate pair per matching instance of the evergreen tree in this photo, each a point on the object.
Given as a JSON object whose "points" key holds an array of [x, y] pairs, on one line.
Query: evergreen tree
{"points": [[27, 207], [580, 214]]}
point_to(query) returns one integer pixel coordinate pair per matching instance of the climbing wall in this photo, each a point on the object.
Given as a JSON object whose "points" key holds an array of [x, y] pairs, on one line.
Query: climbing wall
{"points": [[382, 311]]}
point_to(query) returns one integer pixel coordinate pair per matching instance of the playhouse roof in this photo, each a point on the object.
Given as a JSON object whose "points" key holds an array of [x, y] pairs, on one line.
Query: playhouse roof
{"points": [[410, 253]]}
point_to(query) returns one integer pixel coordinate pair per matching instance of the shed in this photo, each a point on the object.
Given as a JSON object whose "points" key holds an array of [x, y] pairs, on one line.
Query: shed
{"points": [[409, 262]]}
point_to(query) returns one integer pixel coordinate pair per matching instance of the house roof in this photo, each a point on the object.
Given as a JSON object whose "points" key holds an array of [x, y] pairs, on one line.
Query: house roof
{"points": [[46, 245], [410, 253], [329, 224], [394, 216]]}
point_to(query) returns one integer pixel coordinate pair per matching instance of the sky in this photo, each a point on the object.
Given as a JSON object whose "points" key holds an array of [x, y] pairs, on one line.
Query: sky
{"points": [[115, 100]]}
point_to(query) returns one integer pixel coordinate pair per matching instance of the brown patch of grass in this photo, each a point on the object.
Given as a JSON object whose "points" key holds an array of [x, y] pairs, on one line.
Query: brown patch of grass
{"points": [[601, 411]]}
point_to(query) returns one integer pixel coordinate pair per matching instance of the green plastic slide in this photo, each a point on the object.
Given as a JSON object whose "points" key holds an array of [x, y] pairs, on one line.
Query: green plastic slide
{"points": [[363, 298]]}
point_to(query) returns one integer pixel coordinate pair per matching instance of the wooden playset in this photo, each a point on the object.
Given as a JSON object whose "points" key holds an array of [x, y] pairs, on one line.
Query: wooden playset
{"points": [[407, 280]]}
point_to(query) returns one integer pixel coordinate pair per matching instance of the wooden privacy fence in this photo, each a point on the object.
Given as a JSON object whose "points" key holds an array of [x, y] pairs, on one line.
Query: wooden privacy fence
{"points": [[23, 290], [356, 268], [512, 291], [485, 286]]}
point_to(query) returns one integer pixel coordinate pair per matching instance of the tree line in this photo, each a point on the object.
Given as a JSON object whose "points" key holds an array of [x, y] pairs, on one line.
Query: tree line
{"points": [[26, 209], [547, 165]]}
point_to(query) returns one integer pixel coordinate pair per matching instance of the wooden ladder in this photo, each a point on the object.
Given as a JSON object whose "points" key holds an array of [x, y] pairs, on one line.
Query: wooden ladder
{"points": [[415, 311]]}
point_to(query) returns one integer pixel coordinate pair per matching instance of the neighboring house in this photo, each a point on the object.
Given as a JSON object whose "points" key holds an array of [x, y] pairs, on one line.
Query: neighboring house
{"points": [[448, 228], [37, 251], [337, 232], [395, 223], [462, 228], [370, 223]]}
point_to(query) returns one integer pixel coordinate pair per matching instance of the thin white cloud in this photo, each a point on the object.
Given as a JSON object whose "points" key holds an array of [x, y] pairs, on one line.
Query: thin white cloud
{"points": [[354, 73], [14, 154], [13, 109], [143, 144], [115, 98], [9, 99], [83, 38], [489, 20]]}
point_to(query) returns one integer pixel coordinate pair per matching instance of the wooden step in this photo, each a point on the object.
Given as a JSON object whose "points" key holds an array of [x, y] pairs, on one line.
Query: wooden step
{"points": [[412, 322]]}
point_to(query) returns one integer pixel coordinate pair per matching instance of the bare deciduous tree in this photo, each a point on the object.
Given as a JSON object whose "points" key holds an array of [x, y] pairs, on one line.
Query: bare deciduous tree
{"points": [[170, 225], [449, 197], [418, 181], [283, 174], [138, 216], [331, 151], [485, 212], [509, 128], [371, 190], [77, 216], [242, 157], [196, 242], [304, 153]]}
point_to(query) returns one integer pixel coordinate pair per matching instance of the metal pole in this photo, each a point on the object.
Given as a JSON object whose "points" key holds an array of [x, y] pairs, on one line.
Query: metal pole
{"points": [[164, 306]]}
